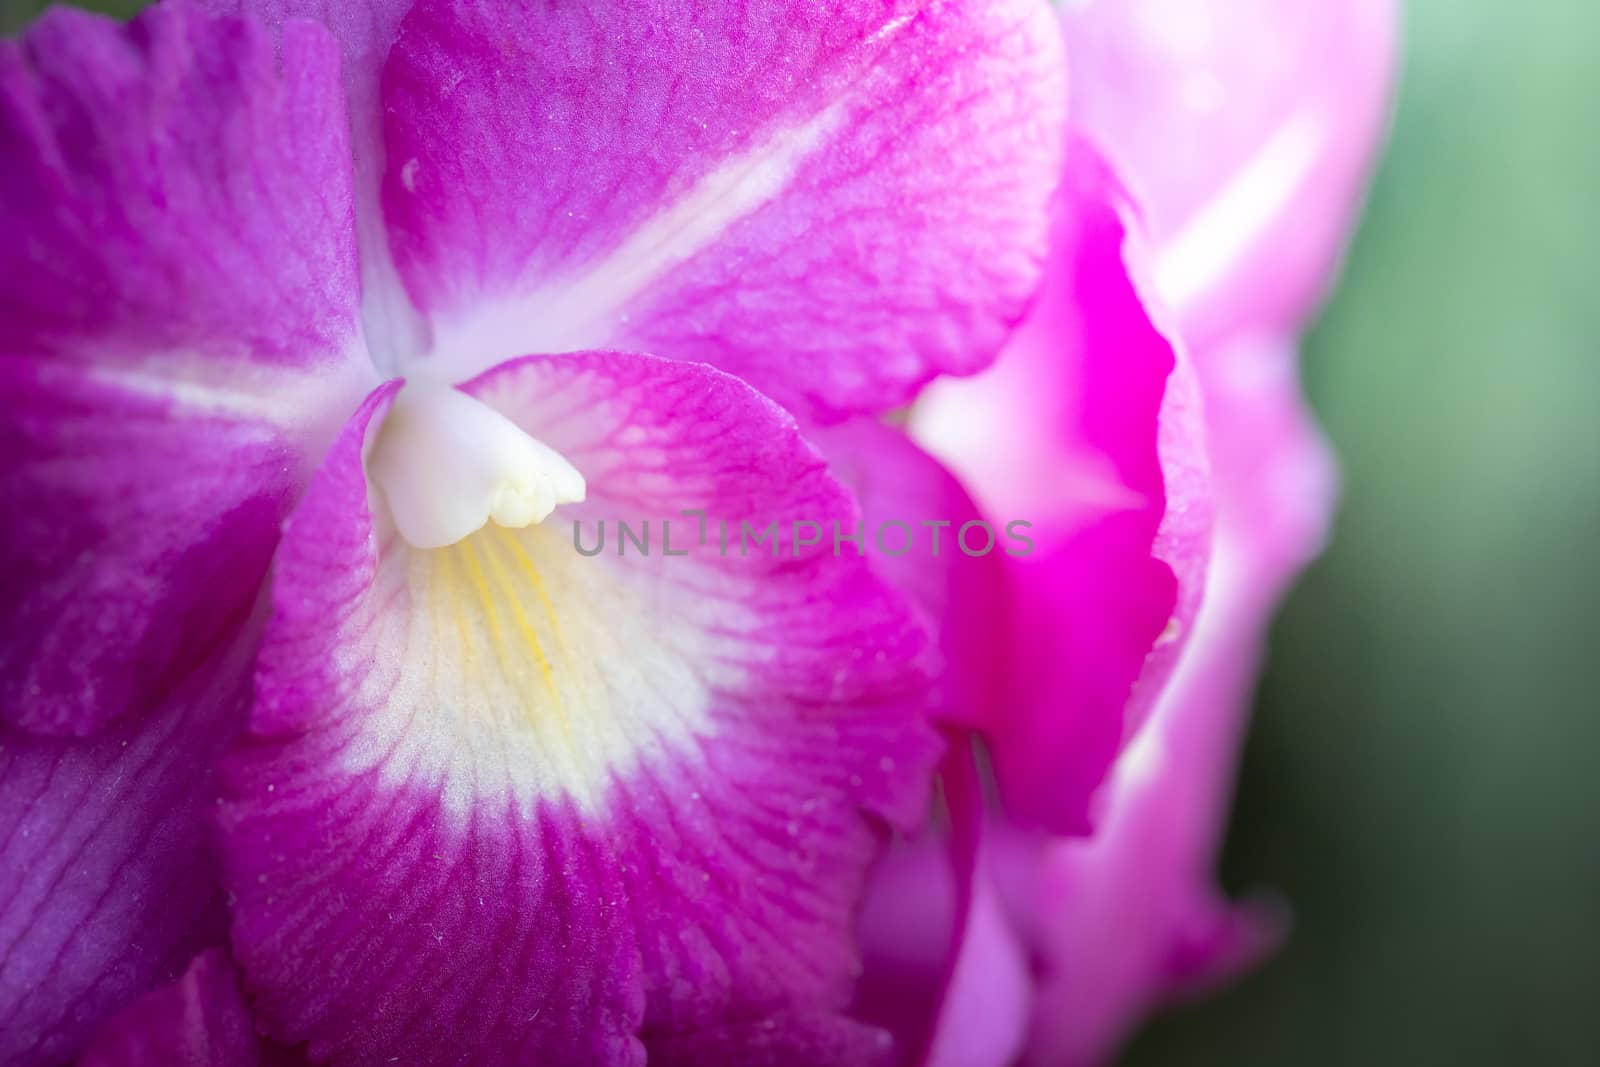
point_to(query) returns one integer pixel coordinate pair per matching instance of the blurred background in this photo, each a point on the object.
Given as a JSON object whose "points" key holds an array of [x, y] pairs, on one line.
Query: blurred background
{"points": [[1422, 778]]}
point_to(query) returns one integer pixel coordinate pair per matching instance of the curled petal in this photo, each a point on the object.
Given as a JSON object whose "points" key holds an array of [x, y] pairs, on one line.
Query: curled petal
{"points": [[1130, 918], [507, 802], [834, 201], [177, 320], [1088, 429], [946, 968], [988, 1002]]}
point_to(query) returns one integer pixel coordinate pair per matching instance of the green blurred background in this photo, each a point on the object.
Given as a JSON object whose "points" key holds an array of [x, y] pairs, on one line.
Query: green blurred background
{"points": [[1420, 781]]}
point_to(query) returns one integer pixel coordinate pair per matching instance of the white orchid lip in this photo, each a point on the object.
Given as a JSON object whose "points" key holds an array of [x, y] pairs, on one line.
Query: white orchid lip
{"points": [[447, 464]]}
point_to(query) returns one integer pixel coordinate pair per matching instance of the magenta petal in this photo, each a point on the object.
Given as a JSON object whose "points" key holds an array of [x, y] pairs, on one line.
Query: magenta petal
{"points": [[914, 511], [501, 802], [201, 1020], [1246, 129], [177, 189], [911, 924], [365, 31], [946, 969], [834, 201], [793, 1040], [989, 999], [108, 882], [177, 320], [1087, 429]]}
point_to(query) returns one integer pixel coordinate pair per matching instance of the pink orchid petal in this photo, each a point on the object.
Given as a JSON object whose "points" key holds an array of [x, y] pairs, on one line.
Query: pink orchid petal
{"points": [[501, 802], [983, 1009], [1246, 129], [915, 915], [108, 882], [946, 970], [177, 321], [201, 1020], [834, 201], [911, 922], [1088, 428], [1130, 917], [365, 31], [790, 1040], [989, 999], [914, 511]]}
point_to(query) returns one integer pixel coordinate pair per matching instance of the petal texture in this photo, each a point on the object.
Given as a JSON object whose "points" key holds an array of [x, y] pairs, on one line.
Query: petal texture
{"points": [[504, 802], [833, 200], [177, 320], [108, 879], [365, 31]]}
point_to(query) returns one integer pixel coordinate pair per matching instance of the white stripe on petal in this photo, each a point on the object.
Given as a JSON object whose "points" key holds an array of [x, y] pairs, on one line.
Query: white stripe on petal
{"points": [[1203, 253], [583, 311]]}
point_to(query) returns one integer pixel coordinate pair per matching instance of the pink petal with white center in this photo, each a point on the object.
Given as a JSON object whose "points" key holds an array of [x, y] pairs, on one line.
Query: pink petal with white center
{"points": [[177, 328], [503, 802], [1130, 918], [1246, 129], [1088, 428], [201, 1020], [834, 201], [108, 879]]}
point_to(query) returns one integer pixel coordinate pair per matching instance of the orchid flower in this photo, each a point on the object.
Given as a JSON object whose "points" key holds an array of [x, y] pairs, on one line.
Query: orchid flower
{"points": [[323, 324], [319, 324]]}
